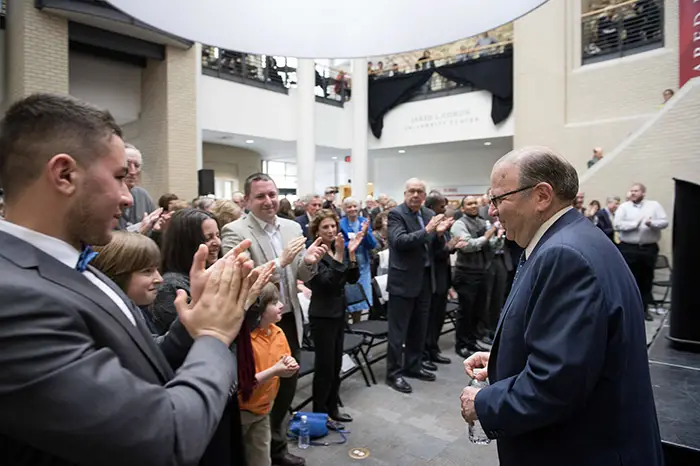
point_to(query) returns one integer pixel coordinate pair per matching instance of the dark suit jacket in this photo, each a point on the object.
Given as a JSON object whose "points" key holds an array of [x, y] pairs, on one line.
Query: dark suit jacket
{"points": [[303, 221], [80, 384], [605, 224], [569, 372], [443, 267], [328, 288], [407, 240]]}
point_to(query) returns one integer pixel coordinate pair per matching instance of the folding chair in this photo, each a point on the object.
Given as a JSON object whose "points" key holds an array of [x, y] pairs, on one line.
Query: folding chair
{"points": [[373, 332], [663, 264], [451, 316]]}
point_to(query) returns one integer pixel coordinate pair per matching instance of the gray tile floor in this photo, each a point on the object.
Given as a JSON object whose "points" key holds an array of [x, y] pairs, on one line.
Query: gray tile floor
{"points": [[423, 428]]}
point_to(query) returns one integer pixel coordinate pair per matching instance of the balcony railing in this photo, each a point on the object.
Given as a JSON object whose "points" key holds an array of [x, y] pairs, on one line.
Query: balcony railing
{"points": [[624, 29], [273, 73], [438, 85]]}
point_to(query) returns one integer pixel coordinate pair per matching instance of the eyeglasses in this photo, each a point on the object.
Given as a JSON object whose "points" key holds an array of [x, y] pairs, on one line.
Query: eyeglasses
{"points": [[496, 200]]}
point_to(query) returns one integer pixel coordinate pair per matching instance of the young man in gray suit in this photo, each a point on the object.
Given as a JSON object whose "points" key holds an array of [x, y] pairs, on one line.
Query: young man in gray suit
{"points": [[82, 379], [280, 240]]}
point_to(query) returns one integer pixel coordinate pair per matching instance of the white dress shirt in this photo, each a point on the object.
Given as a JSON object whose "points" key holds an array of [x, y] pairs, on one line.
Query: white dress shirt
{"points": [[272, 230], [65, 254], [630, 222], [542, 230]]}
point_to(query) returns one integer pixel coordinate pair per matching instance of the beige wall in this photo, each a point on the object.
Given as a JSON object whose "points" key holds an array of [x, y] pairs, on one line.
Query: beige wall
{"points": [[666, 148], [231, 163], [37, 52], [166, 132], [574, 108]]}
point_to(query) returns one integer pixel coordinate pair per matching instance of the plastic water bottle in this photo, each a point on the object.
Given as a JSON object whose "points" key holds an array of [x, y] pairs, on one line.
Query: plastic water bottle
{"points": [[476, 432], [304, 433]]}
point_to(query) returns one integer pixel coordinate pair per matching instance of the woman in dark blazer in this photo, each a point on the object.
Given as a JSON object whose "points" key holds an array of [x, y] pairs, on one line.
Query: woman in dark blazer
{"points": [[327, 311]]}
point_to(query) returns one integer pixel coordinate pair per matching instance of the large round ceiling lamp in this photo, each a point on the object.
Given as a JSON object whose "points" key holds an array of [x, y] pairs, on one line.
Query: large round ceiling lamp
{"points": [[323, 28]]}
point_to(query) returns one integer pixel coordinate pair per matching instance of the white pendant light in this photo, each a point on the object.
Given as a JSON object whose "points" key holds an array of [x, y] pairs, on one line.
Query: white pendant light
{"points": [[313, 29]]}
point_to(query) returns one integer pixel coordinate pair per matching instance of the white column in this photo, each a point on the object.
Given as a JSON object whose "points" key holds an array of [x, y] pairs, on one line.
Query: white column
{"points": [[359, 128], [198, 107], [306, 142]]}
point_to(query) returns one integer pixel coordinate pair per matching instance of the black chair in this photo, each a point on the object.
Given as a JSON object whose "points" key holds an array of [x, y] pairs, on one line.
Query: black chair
{"points": [[373, 332], [663, 264], [352, 346], [451, 316]]}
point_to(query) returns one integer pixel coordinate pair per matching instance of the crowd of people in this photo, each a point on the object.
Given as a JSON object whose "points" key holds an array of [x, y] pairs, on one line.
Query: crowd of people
{"points": [[177, 338]]}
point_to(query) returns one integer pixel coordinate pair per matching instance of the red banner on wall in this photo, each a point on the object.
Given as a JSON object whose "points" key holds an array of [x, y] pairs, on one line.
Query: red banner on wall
{"points": [[689, 40]]}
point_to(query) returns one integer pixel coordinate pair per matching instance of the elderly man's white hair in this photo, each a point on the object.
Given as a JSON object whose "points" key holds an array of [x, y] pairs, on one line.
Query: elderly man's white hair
{"points": [[310, 197], [349, 201], [415, 181], [133, 150]]}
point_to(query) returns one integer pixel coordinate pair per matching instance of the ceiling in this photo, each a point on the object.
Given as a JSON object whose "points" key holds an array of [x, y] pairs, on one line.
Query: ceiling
{"points": [[275, 149]]}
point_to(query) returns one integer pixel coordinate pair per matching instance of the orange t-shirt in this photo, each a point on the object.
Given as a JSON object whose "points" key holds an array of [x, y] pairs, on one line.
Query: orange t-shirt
{"points": [[269, 346]]}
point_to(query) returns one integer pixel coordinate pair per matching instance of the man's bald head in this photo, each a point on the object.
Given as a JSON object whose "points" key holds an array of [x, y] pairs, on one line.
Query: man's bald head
{"points": [[539, 164]]}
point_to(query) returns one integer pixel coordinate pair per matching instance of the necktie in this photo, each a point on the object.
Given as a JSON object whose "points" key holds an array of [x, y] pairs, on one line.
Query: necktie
{"points": [[86, 255], [420, 219], [521, 262]]}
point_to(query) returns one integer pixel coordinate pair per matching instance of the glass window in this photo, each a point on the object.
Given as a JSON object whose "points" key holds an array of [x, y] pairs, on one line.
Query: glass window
{"points": [[612, 29]]}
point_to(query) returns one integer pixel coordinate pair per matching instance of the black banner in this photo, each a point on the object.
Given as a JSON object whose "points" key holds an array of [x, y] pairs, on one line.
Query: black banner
{"points": [[492, 73]]}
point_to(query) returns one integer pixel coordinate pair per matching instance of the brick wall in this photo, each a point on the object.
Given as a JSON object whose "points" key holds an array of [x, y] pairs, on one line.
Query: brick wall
{"points": [[573, 108], [667, 147], [37, 51], [167, 128]]}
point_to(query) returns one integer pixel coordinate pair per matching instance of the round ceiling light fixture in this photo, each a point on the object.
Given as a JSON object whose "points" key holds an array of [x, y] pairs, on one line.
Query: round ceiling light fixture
{"points": [[306, 30]]}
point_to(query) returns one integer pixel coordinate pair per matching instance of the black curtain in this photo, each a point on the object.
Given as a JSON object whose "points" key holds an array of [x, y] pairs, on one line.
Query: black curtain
{"points": [[685, 299], [493, 74], [387, 93]]}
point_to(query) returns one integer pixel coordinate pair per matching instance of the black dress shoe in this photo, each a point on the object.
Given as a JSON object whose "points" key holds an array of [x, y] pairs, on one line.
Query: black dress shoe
{"points": [[648, 316], [429, 366], [422, 375], [340, 417], [477, 346], [288, 459], [440, 359], [399, 384], [463, 352], [486, 340]]}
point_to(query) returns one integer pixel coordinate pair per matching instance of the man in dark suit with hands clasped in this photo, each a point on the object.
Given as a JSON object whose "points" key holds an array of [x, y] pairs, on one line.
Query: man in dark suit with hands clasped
{"points": [[415, 234], [82, 380], [568, 370]]}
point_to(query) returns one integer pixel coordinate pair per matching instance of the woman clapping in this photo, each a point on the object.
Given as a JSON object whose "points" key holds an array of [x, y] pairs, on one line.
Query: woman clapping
{"points": [[327, 311]]}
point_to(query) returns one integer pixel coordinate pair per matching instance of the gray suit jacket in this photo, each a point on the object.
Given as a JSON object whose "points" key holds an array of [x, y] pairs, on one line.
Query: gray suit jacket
{"points": [[261, 252], [80, 384]]}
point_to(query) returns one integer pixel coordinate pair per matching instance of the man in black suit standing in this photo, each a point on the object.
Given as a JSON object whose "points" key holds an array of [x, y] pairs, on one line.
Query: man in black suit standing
{"points": [[606, 216], [82, 379], [415, 233], [312, 204], [438, 301]]}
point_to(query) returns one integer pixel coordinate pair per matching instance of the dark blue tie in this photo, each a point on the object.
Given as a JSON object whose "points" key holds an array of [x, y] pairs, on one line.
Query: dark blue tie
{"points": [[86, 255], [420, 219], [521, 262]]}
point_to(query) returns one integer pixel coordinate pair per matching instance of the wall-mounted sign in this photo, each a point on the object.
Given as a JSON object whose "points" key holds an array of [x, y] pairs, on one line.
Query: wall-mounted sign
{"points": [[689, 40], [435, 120]]}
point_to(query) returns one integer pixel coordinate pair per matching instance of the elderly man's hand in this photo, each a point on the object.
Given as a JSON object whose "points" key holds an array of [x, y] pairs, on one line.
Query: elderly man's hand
{"points": [[467, 398]]}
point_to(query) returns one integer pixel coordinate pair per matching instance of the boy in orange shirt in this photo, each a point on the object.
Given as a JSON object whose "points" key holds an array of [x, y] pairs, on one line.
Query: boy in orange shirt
{"points": [[272, 360]]}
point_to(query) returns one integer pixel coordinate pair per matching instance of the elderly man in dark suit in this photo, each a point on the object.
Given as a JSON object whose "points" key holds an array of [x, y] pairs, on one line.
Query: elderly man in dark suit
{"points": [[312, 204], [569, 375], [82, 380], [605, 217], [415, 233]]}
